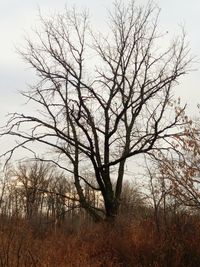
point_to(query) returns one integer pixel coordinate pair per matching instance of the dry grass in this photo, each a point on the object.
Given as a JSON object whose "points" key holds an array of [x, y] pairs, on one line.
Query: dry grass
{"points": [[127, 243]]}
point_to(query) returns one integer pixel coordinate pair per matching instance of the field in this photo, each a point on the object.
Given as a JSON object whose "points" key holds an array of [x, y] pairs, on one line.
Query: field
{"points": [[127, 242]]}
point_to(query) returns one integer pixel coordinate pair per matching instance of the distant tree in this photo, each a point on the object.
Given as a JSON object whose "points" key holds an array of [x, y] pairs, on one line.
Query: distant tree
{"points": [[101, 98], [29, 179], [133, 201], [37, 191]]}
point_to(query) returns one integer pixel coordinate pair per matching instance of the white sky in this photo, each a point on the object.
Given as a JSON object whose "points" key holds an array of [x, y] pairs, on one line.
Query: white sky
{"points": [[18, 16]]}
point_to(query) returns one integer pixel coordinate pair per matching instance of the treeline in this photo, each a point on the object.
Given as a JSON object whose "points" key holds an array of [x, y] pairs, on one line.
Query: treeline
{"points": [[42, 195]]}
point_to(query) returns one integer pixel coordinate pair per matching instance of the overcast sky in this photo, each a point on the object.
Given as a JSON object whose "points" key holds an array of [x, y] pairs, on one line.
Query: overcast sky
{"points": [[18, 16]]}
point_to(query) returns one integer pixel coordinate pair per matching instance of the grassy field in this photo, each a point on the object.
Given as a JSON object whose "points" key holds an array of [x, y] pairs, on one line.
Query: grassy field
{"points": [[126, 243]]}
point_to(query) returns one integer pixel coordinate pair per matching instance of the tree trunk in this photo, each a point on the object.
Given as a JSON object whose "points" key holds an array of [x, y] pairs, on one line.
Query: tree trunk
{"points": [[111, 208]]}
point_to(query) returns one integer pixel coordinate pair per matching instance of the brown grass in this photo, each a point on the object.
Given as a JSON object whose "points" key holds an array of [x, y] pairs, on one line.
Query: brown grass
{"points": [[126, 243]]}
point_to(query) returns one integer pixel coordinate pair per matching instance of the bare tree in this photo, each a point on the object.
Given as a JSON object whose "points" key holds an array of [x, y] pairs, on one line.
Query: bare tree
{"points": [[3, 184], [29, 179], [182, 173], [95, 117]]}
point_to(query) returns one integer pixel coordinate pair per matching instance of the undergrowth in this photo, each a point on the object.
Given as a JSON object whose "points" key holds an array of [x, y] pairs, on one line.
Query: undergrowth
{"points": [[127, 242]]}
